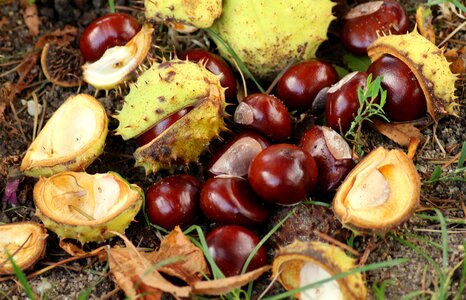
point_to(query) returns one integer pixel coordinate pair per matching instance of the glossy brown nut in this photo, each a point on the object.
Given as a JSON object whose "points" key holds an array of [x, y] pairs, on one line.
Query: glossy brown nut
{"points": [[161, 126], [235, 157], [283, 174], [216, 65], [173, 201], [230, 246], [266, 114], [342, 101], [301, 83], [230, 200], [405, 99], [362, 23], [108, 31], [332, 154]]}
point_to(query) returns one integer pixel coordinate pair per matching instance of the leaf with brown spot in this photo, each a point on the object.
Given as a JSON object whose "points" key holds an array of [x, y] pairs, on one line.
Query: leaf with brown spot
{"points": [[192, 266], [31, 17], [400, 133], [130, 268], [424, 22], [226, 285]]}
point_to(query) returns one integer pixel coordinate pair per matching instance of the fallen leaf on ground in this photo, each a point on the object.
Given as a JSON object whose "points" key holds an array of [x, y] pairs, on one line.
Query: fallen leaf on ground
{"points": [[192, 266], [130, 268], [400, 133], [457, 58], [225, 285], [31, 17], [76, 251], [4, 21], [424, 22]]}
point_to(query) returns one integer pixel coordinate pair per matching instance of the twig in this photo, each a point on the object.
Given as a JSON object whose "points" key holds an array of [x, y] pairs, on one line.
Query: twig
{"points": [[452, 34], [337, 243]]}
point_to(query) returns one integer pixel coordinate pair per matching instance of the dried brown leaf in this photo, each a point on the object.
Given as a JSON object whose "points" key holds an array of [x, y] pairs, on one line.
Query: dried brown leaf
{"points": [[457, 58], [31, 17], [225, 285], [130, 268], [76, 251], [401, 133], [192, 266], [424, 22], [4, 21]]}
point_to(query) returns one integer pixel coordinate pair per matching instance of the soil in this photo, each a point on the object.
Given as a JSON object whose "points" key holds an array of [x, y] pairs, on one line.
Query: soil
{"points": [[443, 143]]}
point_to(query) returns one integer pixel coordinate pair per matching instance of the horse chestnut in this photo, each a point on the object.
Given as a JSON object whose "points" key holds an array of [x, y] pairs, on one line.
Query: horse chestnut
{"points": [[332, 154], [173, 201], [230, 246], [342, 101], [362, 23], [266, 114], [301, 83], [108, 31], [216, 65], [405, 99], [235, 157], [230, 200], [283, 173]]}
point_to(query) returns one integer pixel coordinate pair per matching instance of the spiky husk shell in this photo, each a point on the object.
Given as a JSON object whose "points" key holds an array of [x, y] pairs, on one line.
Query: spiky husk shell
{"points": [[159, 92], [291, 259], [428, 64], [70, 140], [79, 199], [182, 14], [266, 35]]}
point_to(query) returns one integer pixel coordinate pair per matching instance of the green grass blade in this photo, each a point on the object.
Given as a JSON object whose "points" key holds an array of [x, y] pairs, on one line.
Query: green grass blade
{"points": [[371, 267], [111, 5], [21, 277], [238, 60], [462, 157], [443, 227], [462, 283]]}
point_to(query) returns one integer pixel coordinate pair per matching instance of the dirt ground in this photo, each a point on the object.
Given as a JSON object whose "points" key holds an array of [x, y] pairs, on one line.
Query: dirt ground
{"points": [[69, 280]]}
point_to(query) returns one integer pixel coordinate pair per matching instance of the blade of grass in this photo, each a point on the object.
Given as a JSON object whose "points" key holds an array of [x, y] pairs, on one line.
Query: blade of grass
{"points": [[21, 277], [238, 60], [371, 267], [461, 285], [462, 157], [111, 5], [435, 218]]}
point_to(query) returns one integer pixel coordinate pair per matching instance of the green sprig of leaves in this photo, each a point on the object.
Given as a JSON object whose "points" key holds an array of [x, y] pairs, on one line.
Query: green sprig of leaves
{"points": [[369, 107]]}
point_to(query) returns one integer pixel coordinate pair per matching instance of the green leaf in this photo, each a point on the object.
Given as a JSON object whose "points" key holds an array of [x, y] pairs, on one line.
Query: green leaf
{"points": [[21, 277], [436, 174], [111, 5], [462, 158], [357, 62]]}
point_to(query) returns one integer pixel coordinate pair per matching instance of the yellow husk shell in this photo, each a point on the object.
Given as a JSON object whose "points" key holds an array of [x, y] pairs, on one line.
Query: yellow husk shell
{"points": [[24, 241], [290, 259], [267, 35], [71, 139], [382, 174], [118, 62], [194, 14], [86, 207], [428, 64]]}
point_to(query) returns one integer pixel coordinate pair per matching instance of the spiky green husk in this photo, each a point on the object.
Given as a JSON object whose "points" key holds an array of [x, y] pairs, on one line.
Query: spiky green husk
{"points": [[161, 91], [267, 35], [428, 64], [199, 14], [185, 140]]}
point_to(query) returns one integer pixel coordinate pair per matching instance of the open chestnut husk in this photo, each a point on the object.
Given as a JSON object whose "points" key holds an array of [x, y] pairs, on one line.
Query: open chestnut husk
{"points": [[303, 263], [86, 207], [70, 141], [429, 66], [380, 193], [24, 241], [332, 155]]}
